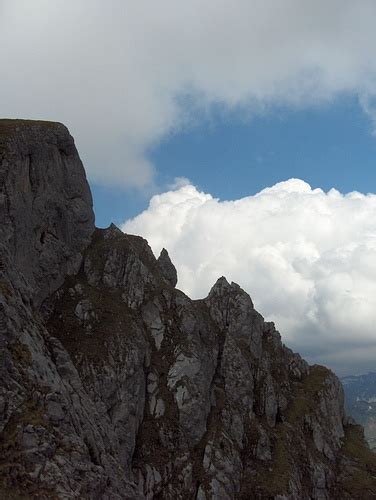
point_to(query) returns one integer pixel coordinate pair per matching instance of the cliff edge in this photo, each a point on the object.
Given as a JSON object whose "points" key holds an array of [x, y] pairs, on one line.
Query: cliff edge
{"points": [[115, 385]]}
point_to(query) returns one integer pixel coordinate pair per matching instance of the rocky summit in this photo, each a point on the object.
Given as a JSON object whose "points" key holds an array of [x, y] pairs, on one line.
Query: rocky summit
{"points": [[116, 385]]}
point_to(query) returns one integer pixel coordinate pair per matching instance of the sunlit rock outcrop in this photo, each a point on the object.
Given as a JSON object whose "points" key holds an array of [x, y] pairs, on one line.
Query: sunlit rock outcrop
{"points": [[116, 385]]}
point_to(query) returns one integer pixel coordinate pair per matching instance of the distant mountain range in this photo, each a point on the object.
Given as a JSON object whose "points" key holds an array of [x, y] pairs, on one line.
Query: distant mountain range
{"points": [[360, 395]]}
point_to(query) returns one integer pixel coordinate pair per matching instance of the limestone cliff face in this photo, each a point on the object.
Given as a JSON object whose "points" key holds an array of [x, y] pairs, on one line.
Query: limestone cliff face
{"points": [[46, 215], [115, 385]]}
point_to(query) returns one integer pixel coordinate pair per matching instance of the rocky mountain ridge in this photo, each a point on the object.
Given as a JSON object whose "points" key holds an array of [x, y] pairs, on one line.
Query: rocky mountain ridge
{"points": [[360, 403], [115, 385]]}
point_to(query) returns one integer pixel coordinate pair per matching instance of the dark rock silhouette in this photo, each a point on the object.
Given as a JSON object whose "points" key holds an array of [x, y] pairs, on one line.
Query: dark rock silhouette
{"points": [[167, 268], [115, 385], [46, 215]]}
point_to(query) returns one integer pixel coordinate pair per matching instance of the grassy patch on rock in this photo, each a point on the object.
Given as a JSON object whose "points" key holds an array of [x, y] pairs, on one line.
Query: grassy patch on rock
{"points": [[306, 400]]}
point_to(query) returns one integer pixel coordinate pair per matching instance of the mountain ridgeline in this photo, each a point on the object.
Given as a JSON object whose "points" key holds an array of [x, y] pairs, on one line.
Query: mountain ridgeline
{"points": [[116, 385], [360, 403]]}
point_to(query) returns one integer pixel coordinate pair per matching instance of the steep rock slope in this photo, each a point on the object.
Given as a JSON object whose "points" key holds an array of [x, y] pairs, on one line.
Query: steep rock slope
{"points": [[46, 215], [115, 385]]}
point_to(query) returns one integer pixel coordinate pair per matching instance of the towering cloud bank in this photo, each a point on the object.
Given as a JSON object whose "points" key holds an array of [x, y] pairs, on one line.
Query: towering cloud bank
{"points": [[307, 258]]}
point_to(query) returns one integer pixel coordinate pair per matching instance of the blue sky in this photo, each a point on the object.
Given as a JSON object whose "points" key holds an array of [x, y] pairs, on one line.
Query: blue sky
{"points": [[330, 145], [151, 97]]}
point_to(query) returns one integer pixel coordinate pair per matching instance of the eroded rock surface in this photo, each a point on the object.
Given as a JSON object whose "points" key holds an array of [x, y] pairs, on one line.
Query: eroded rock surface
{"points": [[115, 385], [167, 268], [46, 216]]}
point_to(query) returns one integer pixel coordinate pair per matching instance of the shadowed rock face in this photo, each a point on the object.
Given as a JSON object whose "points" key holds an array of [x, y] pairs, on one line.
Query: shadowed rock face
{"points": [[115, 385], [167, 268], [46, 216]]}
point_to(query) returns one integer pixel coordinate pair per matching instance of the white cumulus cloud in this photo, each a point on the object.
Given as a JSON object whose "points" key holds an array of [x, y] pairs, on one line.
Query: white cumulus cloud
{"points": [[124, 74], [307, 258]]}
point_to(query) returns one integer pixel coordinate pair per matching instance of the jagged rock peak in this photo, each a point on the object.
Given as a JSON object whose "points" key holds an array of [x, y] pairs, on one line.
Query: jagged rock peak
{"points": [[222, 288], [112, 231], [46, 215], [121, 387], [167, 268]]}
